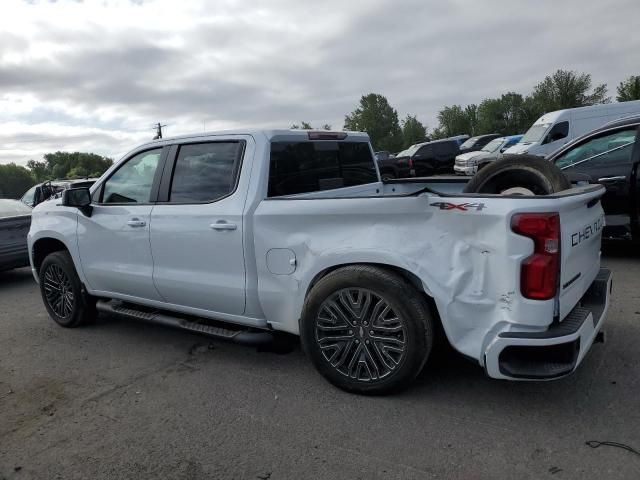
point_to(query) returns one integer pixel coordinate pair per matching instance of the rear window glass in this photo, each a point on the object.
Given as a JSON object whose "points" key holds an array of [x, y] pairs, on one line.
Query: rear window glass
{"points": [[303, 167], [13, 208]]}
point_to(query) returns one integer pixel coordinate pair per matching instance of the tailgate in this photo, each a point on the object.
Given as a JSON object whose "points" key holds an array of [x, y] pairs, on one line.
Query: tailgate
{"points": [[581, 222]]}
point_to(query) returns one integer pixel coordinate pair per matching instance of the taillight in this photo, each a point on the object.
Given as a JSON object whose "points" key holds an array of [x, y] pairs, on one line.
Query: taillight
{"points": [[410, 162], [324, 135], [539, 272]]}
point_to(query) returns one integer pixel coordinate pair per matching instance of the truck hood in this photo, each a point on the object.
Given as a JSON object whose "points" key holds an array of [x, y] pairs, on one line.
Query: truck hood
{"points": [[519, 148], [469, 155]]}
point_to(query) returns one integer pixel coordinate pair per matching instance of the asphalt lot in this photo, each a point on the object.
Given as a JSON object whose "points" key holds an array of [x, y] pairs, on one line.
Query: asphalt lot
{"points": [[120, 399]]}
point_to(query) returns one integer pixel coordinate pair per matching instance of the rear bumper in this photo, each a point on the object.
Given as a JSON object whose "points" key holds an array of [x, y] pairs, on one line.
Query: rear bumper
{"points": [[557, 351]]}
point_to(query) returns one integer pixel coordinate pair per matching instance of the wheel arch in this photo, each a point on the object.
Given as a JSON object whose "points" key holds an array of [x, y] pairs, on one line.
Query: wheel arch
{"points": [[411, 277], [46, 246]]}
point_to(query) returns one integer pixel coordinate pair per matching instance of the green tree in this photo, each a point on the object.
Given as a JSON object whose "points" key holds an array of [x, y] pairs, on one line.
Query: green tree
{"points": [[455, 120], [303, 126], [15, 180], [413, 131], [629, 89], [568, 89], [307, 126], [508, 115], [69, 165], [375, 116]]}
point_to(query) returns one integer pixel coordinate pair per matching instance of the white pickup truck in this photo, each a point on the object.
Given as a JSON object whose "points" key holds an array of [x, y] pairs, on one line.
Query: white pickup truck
{"points": [[244, 234]]}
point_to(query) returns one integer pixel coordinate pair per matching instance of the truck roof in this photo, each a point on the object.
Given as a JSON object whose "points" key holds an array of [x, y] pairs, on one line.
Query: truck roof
{"points": [[632, 107], [271, 134]]}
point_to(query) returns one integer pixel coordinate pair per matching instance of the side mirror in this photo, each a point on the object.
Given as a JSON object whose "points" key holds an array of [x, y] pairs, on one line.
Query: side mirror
{"points": [[79, 198]]}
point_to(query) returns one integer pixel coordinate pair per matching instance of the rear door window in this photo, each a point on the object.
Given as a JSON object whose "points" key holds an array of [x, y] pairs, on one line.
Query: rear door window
{"points": [[205, 172], [443, 148], [303, 167]]}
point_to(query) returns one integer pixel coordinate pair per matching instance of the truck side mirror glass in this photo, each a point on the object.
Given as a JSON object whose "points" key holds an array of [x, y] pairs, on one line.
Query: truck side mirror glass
{"points": [[79, 198], [76, 197]]}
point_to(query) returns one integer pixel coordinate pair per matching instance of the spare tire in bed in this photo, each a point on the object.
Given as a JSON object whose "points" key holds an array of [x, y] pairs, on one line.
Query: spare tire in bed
{"points": [[519, 175]]}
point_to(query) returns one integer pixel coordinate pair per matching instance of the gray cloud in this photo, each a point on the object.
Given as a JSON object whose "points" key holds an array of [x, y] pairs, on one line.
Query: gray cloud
{"points": [[276, 63]]}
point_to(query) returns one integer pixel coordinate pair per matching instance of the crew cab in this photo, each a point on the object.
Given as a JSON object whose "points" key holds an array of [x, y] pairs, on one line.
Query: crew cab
{"points": [[245, 234]]}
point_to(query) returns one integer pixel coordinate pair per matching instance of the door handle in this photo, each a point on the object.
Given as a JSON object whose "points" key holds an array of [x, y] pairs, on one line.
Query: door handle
{"points": [[612, 179], [136, 222], [223, 225]]}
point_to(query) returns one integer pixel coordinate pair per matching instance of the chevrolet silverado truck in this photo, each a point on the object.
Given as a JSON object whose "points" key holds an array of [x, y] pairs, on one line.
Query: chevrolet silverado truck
{"points": [[241, 235]]}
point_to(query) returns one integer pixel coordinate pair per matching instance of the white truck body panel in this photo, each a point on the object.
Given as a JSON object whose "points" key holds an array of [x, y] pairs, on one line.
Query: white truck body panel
{"points": [[258, 274]]}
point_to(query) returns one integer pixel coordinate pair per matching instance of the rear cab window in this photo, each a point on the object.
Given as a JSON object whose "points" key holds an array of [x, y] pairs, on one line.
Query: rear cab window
{"points": [[297, 167]]}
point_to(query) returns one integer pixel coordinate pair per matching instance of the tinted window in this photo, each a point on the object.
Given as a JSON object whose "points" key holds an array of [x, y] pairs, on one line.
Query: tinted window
{"points": [[205, 172], [13, 208], [425, 151], [608, 150], [301, 167], [131, 183], [443, 148], [558, 132]]}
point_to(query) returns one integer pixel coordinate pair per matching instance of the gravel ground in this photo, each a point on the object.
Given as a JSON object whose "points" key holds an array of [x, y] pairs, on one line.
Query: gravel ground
{"points": [[121, 399]]}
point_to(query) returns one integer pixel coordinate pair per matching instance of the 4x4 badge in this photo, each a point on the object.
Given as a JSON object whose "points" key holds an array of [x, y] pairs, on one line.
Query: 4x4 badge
{"points": [[458, 206]]}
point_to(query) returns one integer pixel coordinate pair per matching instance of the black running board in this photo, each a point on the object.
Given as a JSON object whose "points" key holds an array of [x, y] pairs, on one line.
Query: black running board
{"points": [[191, 324]]}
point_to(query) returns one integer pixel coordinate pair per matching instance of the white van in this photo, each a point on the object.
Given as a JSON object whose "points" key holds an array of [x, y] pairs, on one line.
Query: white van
{"points": [[552, 130]]}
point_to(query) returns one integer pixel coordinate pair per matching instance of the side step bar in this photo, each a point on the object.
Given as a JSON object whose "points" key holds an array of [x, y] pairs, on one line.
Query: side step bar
{"points": [[244, 337]]}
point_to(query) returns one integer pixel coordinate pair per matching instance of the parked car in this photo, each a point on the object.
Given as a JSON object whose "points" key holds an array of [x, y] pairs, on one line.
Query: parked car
{"points": [[555, 129], [44, 191], [477, 143], [422, 160], [241, 234], [610, 156], [15, 220], [468, 163]]}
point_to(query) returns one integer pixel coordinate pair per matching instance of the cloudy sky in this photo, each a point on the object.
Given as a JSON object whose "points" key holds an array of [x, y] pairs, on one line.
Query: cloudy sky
{"points": [[95, 75]]}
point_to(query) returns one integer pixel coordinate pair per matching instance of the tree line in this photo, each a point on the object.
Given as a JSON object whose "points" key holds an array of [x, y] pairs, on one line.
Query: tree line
{"points": [[15, 180], [509, 114]]}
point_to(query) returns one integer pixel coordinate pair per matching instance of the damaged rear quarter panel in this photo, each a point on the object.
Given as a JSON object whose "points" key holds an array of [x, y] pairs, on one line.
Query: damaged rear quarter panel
{"points": [[468, 261]]}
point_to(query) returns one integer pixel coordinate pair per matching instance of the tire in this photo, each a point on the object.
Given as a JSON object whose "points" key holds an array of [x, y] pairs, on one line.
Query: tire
{"points": [[363, 347], [62, 292], [518, 175]]}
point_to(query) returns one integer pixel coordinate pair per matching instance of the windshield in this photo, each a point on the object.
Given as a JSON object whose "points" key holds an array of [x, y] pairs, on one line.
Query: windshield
{"points": [[410, 151], [535, 133], [493, 145], [469, 143]]}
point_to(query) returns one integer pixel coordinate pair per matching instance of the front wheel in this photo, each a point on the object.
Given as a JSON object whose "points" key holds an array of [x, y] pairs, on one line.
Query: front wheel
{"points": [[366, 329], [62, 293]]}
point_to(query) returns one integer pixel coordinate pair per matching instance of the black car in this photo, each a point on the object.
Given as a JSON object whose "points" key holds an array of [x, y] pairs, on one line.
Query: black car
{"points": [[15, 220], [610, 156], [422, 160], [476, 143], [44, 191]]}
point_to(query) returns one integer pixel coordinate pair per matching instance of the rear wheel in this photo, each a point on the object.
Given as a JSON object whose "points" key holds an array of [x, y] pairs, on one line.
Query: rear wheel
{"points": [[518, 175], [367, 330], [62, 292]]}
